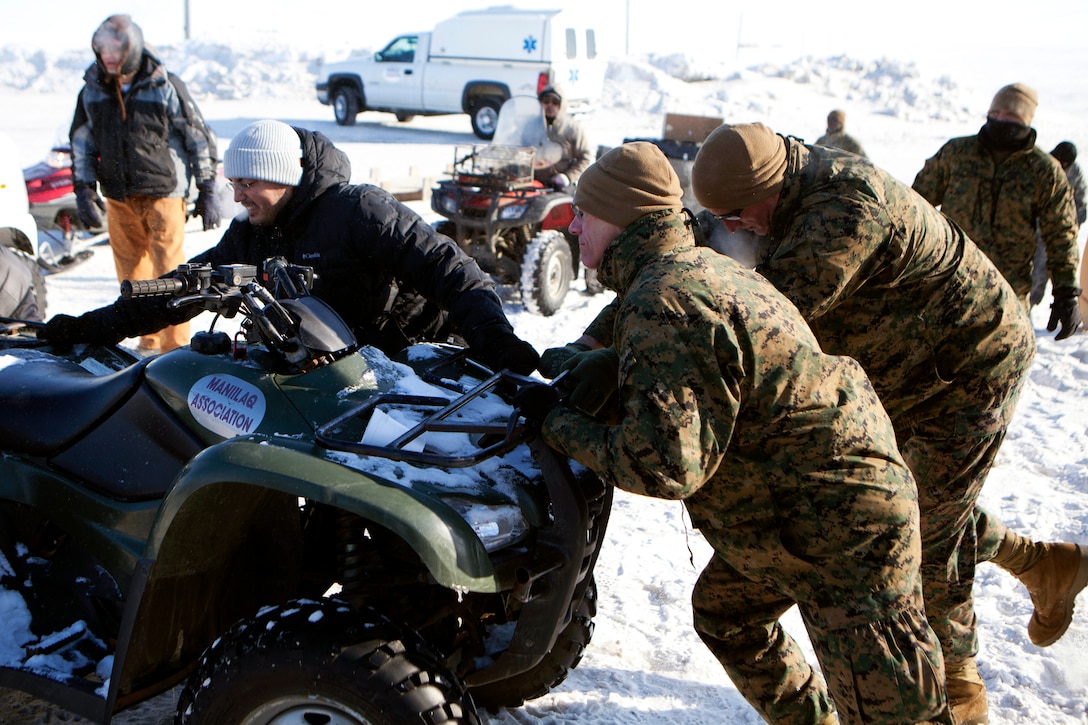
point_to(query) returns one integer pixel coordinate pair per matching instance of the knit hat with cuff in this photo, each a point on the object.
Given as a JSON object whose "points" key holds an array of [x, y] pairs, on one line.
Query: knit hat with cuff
{"points": [[739, 166], [1017, 99], [265, 151], [627, 183]]}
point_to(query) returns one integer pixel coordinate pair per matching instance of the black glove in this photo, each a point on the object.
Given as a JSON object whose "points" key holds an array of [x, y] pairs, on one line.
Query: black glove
{"points": [[1064, 310], [507, 351], [535, 401], [104, 326], [60, 331], [593, 377], [551, 362], [207, 206], [87, 199]]}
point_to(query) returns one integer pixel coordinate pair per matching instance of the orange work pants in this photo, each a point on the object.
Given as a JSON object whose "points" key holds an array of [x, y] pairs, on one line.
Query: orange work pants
{"points": [[147, 236]]}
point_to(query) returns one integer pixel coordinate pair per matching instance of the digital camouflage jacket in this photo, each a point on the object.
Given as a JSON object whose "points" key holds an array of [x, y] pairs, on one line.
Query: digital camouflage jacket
{"points": [[999, 203], [729, 404], [883, 277]]}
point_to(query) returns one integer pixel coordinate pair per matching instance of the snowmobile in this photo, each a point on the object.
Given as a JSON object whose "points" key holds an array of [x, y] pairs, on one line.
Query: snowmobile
{"points": [[291, 526], [513, 225], [63, 241]]}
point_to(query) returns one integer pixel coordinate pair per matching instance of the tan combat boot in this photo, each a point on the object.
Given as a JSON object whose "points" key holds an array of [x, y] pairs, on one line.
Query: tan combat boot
{"points": [[966, 693], [1054, 574]]}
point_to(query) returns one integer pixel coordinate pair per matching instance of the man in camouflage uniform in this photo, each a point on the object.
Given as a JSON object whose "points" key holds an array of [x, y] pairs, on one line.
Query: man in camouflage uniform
{"points": [[837, 137], [783, 456], [999, 186], [883, 277]]}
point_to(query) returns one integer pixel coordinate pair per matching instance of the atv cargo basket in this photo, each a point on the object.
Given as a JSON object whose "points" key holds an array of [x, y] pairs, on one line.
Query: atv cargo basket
{"points": [[501, 167]]}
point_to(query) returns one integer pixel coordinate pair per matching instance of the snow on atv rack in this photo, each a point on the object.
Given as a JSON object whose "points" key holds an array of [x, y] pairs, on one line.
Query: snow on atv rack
{"points": [[493, 167], [495, 438]]}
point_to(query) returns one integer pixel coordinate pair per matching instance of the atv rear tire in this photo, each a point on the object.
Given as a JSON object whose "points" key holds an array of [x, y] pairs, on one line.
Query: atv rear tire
{"points": [[319, 661], [593, 285], [550, 671], [546, 272]]}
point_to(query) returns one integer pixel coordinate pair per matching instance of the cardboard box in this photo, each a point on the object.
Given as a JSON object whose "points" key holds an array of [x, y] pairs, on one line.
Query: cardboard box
{"points": [[695, 129]]}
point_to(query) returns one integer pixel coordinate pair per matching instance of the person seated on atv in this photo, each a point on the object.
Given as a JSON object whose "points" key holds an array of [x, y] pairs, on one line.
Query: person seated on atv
{"points": [[18, 297], [568, 133], [391, 277]]}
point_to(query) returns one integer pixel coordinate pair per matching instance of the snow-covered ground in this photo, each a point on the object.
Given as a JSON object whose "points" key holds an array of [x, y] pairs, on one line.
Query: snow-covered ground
{"points": [[645, 663]]}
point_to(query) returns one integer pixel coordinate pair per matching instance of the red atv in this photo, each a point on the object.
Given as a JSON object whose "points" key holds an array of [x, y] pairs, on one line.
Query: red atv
{"points": [[512, 225]]}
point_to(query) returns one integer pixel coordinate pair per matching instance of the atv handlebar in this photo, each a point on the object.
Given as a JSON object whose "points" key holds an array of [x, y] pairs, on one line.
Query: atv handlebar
{"points": [[151, 287]]}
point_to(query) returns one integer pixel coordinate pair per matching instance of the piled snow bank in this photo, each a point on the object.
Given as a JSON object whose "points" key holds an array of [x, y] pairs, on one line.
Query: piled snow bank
{"points": [[646, 84]]}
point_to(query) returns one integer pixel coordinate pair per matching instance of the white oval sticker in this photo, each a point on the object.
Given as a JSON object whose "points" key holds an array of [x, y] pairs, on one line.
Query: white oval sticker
{"points": [[226, 405]]}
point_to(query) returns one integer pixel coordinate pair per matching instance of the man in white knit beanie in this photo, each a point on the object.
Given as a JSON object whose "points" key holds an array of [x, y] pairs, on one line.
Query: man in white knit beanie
{"points": [[391, 277]]}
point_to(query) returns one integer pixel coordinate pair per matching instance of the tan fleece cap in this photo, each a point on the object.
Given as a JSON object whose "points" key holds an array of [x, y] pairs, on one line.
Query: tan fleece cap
{"points": [[1017, 99], [627, 183], [739, 166]]}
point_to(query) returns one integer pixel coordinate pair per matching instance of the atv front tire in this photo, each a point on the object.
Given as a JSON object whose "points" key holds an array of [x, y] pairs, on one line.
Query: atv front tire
{"points": [[321, 662], [550, 671], [546, 272]]}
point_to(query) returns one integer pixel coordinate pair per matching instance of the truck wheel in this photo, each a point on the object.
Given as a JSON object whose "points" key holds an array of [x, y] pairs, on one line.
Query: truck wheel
{"points": [[550, 671], [345, 104], [404, 116], [321, 662], [485, 117], [546, 272]]}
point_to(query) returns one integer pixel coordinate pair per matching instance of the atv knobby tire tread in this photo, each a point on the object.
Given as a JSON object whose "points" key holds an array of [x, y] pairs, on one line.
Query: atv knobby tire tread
{"points": [[359, 659]]}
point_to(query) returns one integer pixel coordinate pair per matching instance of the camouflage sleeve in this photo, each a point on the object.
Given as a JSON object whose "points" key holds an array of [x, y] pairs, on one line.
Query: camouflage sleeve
{"points": [[1058, 226], [667, 444], [932, 181], [827, 251], [602, 329]]}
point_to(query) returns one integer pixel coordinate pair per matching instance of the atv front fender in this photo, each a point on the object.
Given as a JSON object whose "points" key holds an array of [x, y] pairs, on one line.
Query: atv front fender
{"points": [[445, 543]]}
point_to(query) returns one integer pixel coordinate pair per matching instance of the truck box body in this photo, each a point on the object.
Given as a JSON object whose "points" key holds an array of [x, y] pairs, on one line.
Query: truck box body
{"points": [[471, 63]]}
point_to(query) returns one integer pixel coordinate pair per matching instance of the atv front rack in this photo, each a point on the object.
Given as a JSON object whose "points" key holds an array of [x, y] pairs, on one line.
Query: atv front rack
{"points": [[495, 438]]}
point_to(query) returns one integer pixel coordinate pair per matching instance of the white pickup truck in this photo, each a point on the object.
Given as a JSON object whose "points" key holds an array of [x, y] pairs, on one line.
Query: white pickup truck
{"points": [[470, 63]]}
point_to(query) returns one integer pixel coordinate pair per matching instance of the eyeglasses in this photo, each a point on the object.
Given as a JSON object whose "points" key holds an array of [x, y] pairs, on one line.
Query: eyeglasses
{"points": [[550, 101], [733, 216], [242, 184]]}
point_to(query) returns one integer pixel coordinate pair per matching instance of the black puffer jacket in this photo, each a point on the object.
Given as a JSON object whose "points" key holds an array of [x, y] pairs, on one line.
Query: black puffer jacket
{"points": [[381, 267], [152, 145]]}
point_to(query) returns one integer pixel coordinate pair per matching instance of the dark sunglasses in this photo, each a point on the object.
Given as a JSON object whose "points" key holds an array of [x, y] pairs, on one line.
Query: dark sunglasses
{"points": [[733, 216]]}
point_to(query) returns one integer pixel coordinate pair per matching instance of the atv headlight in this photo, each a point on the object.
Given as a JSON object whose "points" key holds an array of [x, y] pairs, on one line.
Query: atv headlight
{"points": [[497, 525], [448, 204], [513, 211]]}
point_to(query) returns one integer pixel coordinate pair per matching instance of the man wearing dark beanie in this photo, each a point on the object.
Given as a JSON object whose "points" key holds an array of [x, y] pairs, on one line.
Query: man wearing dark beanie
{"points": [[782, 455], [1000, 187], [883, 277]]}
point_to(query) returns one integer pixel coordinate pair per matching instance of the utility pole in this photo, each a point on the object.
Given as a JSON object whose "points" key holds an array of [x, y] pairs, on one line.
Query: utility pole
{"points": [[186, 20], [627, 31]]}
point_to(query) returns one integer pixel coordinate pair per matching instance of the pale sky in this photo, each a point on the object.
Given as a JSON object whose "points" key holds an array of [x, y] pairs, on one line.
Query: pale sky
{"points": [[857, 28]]}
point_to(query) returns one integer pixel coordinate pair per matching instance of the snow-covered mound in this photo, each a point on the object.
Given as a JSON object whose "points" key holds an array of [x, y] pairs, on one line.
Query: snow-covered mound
{"points": [[652, 83]]}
